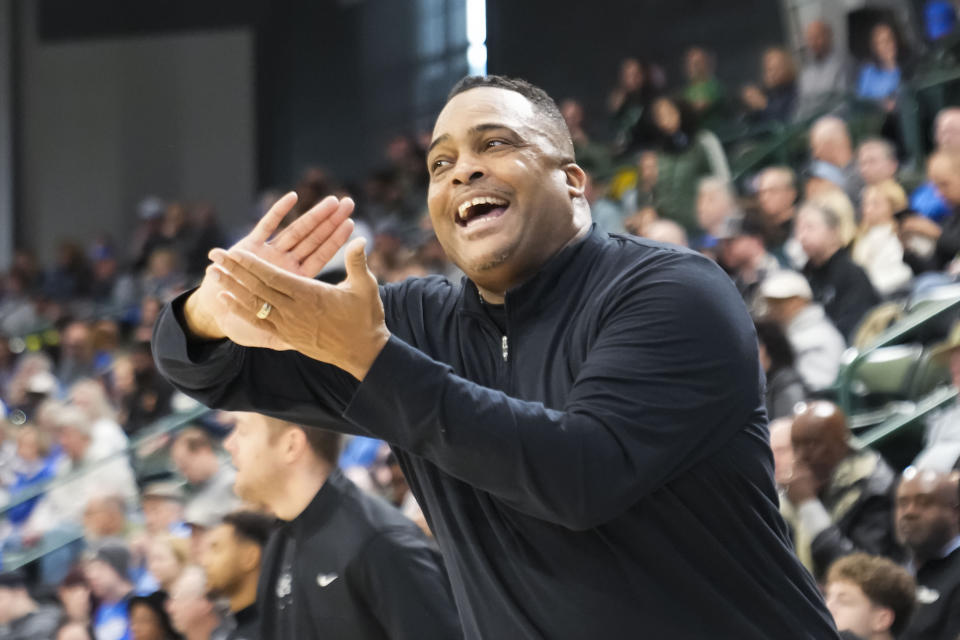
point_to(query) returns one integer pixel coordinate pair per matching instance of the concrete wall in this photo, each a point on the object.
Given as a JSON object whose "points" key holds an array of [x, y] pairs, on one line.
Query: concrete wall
{"points": [[6, 131], [105, 122]]}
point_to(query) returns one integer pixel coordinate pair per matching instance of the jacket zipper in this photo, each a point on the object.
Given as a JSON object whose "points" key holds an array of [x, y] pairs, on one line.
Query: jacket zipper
{"points": [[505, 348]]}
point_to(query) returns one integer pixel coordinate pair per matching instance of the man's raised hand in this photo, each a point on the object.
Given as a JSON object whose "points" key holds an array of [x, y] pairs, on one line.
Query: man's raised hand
{"points": [[342, 325], [302, 249]]}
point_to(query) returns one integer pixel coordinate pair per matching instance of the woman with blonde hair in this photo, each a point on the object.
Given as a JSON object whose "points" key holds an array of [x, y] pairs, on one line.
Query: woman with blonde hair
{"points": [[840, 285], [835, 199], [877, 246], [167, 556]]}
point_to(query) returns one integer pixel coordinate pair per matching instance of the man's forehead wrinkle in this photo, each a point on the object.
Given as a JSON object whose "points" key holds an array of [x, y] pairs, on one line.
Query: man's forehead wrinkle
{"points": [[922, 484], [438, 140], [482, 105]]}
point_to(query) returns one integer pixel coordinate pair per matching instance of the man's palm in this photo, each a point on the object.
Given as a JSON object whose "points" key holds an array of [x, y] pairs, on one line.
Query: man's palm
{"points": [[303, 248]]}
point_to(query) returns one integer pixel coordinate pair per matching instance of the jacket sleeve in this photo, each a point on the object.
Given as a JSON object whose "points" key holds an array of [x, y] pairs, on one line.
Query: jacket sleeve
{"points": [[854, 297], [951, 626], [224, 375], [401, 580], [946, 249], [870, 531], [886, 268], [671, 375]]}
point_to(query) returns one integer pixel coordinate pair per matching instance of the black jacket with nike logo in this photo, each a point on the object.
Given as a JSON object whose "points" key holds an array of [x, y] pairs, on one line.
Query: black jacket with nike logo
{"points": [[357, 570]]}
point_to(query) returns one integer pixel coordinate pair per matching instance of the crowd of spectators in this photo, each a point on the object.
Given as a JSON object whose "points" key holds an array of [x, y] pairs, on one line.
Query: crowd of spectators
{"points": [[138, 532]]}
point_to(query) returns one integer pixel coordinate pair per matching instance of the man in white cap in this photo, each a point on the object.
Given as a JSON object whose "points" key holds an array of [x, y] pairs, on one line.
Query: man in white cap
{"points": [[817, 343]]}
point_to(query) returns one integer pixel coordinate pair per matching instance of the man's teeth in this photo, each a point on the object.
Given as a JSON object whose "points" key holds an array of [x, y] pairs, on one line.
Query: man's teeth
{"points": [[465, 206]]}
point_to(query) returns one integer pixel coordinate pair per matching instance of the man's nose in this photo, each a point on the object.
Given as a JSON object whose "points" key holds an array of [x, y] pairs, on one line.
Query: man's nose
{"points": [[908, 510], [466, 172]]}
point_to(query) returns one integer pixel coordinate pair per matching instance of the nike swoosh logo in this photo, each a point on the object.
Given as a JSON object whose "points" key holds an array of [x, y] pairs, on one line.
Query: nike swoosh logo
{"points": [[324, 579]]}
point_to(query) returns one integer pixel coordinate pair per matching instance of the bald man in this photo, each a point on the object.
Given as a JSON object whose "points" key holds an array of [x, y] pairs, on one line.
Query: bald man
{"points": [[926, 199], [840, 498], [830, 142], [928, 525], [777, 201], [877, 161], [826, 71], [782, 449], [943, 169], [946, 129]]}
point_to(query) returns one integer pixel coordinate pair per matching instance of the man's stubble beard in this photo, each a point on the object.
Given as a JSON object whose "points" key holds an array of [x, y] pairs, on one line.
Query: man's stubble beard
{"points": [[248, 492], [494, 259]]}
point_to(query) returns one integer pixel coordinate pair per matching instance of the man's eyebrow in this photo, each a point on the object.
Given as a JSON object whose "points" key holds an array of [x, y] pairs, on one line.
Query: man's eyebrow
{"points": [[440, 139], [479, 128], [489, 126]]}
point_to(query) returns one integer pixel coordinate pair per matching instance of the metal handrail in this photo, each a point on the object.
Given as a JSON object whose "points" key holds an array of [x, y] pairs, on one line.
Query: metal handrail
{"points": [[888, 337], [931, 402], [160, 427]]}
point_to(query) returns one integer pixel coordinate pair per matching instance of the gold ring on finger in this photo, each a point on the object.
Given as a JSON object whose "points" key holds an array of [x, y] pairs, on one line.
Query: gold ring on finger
{"points": [[264, 311]]}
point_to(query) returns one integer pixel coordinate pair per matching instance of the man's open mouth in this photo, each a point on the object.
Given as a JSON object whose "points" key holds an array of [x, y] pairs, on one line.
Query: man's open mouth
{"points": [[477, 210]]}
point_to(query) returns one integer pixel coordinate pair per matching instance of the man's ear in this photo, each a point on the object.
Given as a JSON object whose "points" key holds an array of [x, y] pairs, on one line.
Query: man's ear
{"points": [[882, 619], [576, 180], [250, 558], [294, 443]]}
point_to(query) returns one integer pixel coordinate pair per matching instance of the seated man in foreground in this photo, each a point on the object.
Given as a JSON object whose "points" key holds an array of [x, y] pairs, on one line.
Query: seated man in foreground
{"points": [[839, 499]]}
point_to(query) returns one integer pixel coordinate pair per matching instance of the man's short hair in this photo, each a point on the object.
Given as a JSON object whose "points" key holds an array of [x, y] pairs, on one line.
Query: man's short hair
{"points": [[13, 580], [252, 526], [788, 175], [104, 497], [888, 148], [325, 444], [830, 126], [885, 584], [951, 156], [830, 217], [194, 439], [715, 183], [73, 417], [540, 99]]}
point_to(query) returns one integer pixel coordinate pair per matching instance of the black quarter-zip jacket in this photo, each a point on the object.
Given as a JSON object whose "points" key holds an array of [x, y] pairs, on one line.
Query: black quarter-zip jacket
{"points": [[352, 567], [601, 470]]}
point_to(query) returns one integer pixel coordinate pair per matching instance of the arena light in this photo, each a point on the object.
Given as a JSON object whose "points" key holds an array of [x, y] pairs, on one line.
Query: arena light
{"points": [[477, 36]]}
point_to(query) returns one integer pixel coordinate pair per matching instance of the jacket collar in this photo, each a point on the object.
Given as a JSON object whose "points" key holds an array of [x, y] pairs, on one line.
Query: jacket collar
{"points": [[324, 503], [570, 262]]}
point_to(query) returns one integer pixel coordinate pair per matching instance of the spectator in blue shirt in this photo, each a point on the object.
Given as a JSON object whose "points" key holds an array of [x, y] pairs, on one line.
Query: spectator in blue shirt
{"points": [[34, 465], [880, 78], [107, 572], [926, 200]]}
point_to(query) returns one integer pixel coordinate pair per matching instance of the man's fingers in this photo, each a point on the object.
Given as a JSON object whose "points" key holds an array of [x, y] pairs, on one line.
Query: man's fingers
{"points": [[244, 285], [308, 223], [273, 277], [233, 305], [314, 262], [272, 219], [358, 274], [322, 232]]}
